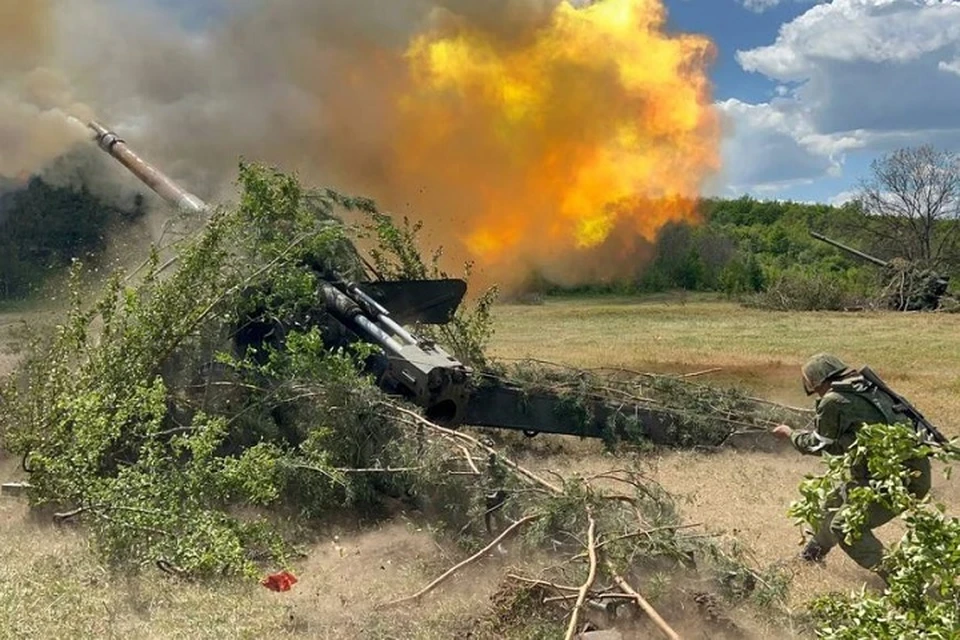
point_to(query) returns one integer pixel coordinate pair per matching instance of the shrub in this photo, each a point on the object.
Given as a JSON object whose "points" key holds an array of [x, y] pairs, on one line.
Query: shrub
{"points": [[922, 597]]}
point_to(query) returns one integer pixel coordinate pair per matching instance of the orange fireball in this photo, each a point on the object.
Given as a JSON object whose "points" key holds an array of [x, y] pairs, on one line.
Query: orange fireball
{"points": [[537, 151]]}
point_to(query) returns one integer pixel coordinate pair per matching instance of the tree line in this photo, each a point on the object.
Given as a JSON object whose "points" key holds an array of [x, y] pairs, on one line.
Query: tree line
{"points": [[908, 207], [45, 226]]}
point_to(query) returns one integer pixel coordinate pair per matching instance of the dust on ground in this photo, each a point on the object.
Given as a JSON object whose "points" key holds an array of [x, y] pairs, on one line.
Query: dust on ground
{"points": [[51, 584], [743, 494], [350, 576]]}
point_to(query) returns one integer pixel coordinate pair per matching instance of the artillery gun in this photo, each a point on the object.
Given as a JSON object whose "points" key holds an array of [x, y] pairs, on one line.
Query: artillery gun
{"points": [[909, 288], [449, 392]]}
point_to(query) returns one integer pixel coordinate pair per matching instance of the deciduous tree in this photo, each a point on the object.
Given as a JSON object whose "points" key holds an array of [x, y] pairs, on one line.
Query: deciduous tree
{"points": [[913, 196]]}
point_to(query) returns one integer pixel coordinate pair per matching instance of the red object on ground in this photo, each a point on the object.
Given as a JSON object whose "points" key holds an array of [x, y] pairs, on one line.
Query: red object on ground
{"points": [[279, 581]]}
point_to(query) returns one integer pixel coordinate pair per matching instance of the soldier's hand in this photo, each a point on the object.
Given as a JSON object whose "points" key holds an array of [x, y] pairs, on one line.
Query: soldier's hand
{"points": [[782, 431]]}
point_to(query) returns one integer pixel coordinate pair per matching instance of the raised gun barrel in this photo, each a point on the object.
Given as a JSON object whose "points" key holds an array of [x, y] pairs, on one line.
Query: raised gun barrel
{"points": [[414, 368], [147, 173], [843, 247], [911, 288]]}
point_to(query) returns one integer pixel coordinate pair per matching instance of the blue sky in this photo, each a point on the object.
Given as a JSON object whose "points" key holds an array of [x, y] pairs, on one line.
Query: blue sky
{"points": [[813, 91]]}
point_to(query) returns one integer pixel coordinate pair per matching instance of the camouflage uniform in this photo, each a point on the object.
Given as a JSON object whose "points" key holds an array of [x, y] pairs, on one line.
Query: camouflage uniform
{"points": [[849, 403]]}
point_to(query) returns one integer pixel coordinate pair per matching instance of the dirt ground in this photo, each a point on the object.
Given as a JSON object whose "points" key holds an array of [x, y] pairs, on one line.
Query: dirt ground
{"points": [[745, 493], [49, 583]]}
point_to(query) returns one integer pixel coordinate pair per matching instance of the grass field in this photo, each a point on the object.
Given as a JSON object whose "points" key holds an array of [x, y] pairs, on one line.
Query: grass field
{"points": [[51, 587], [761, 350], [745, 493]]}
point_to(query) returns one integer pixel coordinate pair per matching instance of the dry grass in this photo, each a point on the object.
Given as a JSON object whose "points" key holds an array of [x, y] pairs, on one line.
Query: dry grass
{"points": [[745, 494], [917, 353], [50, 585]]}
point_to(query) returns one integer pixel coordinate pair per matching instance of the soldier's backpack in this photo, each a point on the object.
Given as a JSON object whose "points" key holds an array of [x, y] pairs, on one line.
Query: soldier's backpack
{"points": [[867, 381]]}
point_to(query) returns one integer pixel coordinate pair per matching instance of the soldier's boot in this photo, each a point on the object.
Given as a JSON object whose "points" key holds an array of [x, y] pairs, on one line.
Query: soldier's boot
{"points": [[813, 552]]}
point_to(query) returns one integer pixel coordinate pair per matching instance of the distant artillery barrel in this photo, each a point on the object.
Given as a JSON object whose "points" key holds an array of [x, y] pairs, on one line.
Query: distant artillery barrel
{"points": [[911, 288], [843, 247], [166, 188]]}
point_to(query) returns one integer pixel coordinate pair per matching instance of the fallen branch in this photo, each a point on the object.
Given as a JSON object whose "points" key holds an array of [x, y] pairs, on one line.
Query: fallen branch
{"points": [[592, 596], [542, 583], [452, 570], [171, 569], [697, 374], [640, 600], [97, 509], [591, 577], [320, 470], [66, 515], [529, 475], [641, 533], [466, 453], [592, 549]]}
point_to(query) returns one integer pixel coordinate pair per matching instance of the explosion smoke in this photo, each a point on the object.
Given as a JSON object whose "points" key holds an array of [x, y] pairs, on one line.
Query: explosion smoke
{"points": [[546, 144], [527, 134], [33, 100]]}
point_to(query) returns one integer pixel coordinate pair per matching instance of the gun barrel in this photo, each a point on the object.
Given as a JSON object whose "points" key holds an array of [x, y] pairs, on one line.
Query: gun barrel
{"points": [[147, 173], [843, 247]]}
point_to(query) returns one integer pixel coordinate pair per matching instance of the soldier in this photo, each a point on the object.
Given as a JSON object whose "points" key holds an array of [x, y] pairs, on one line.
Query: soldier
{"points": [[846, 402]]}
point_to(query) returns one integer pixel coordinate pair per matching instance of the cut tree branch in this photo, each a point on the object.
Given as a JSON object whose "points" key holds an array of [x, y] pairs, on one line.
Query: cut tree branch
{"points": [[591, 577], [542, 583], [529, 475], [642, 602], [454, 569]]}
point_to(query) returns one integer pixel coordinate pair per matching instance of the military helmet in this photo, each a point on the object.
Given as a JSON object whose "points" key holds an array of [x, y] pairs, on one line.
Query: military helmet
{"points": [[820, 368]]}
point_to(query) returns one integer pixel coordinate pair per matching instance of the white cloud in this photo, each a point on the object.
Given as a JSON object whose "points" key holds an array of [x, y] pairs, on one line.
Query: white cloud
{"points": [[843, 197], [759, 5], [952, 66], [856, 31], [770, 148], [865, 74]]}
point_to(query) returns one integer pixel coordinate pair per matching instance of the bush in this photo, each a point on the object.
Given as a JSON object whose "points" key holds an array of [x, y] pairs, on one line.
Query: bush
{"points": [[801, 291], [142, 418], [922, 598], [742, 276]]}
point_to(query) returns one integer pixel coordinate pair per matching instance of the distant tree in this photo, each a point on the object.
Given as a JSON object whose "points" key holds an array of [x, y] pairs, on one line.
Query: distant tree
{"points": [[43, 227], [913, 202]]}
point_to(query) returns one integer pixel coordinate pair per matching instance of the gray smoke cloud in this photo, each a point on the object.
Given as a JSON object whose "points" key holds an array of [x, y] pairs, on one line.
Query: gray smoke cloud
{"points": [[310, 87], [301, 85]]}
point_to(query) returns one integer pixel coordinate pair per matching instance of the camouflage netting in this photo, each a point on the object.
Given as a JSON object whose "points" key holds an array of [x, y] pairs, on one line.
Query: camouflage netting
{"points": [[691, 414], [911, 288]]}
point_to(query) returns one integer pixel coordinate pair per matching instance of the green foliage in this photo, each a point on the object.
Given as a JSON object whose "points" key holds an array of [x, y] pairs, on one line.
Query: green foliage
{"points": [[922, 597], [397, 256], [745, 246], [141, 419], [807, 290], [742, 276]]}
